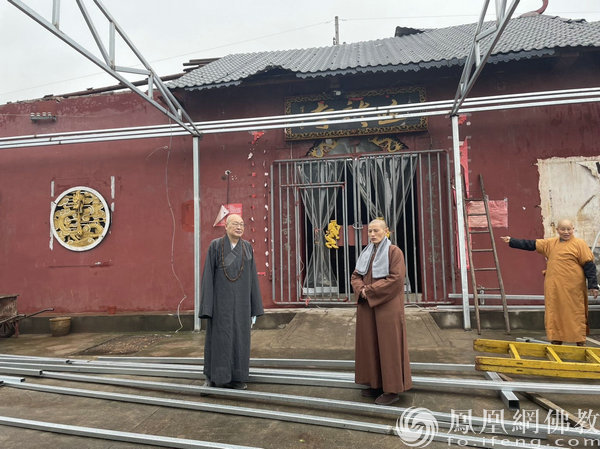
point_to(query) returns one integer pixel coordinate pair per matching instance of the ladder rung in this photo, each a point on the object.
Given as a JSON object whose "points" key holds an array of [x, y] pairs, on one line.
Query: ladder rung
{"points": [[473, 199], [479, 232], [488, 288], [476, 215], [485, 269], [482, 250]]}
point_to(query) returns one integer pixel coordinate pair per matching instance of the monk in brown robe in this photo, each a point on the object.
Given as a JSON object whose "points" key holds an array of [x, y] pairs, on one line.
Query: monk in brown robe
{"points": [[569, 264], [382, 361]]}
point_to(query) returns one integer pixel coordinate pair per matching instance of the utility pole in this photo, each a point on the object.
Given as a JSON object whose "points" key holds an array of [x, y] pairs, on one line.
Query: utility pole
{"points": [[336, 38]]}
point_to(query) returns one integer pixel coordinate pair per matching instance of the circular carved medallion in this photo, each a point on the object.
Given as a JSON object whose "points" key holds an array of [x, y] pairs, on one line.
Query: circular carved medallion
{"points": [[79, 218]]}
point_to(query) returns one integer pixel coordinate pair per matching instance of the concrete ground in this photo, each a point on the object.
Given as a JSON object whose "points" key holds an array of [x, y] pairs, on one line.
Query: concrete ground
{"points": [[311, 333]]}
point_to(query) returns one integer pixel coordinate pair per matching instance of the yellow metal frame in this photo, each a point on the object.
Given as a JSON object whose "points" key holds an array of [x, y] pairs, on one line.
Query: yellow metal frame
{"points": [[579, 362]]}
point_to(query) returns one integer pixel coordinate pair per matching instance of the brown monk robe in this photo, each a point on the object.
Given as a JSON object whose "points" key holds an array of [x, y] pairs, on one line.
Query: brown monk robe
{"points": [[382, 361]]}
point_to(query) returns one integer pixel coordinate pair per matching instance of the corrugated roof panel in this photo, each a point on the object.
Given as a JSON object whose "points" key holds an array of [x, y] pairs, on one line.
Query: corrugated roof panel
{"points": [[524, 37]]}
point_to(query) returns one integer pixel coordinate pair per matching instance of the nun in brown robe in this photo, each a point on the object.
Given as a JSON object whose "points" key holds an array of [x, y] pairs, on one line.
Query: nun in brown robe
{"points": [[382, 362]]}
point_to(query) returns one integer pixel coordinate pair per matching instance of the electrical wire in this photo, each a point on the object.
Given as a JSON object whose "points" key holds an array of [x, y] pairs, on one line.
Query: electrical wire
{"points": [[169, 149]]}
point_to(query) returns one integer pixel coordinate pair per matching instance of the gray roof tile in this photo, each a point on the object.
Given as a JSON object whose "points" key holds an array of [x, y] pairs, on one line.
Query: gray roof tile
{"points": [[524, 37]]}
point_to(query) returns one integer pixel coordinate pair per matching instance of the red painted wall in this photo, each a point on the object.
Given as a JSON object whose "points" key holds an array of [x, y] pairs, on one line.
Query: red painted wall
{"points": [[146, 261], [131, 269]]}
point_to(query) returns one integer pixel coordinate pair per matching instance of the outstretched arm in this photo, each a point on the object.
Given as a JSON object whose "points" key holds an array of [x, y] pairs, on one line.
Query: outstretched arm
{"points": [[527, 245]]}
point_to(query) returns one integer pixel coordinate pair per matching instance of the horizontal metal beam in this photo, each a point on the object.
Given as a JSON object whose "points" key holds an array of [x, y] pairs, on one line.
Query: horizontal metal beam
{"points": [[11, 379], [254, 362], [488, 103], [341, 382], [290, 363], [444, 419], [23, 367], [216, 408], [14, 370], [115, 435]]}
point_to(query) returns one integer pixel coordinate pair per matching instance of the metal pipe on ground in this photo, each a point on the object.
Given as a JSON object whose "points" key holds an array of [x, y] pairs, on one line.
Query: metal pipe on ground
{"points": [[115, 435], [278, 415], [291, 363], [508, 397], [418, 381], [446, 420]]}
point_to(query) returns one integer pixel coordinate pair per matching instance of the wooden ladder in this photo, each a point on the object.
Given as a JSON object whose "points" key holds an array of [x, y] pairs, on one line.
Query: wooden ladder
{"points": [[579, 362], [472, 270]]}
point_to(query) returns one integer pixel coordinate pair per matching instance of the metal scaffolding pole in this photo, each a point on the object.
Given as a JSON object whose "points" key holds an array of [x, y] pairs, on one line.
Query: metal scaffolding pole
{"points": [[115, 435], [197, 231], [290, 363], [286, 399], [467, 81], [508, 397], [418, 381], [443, 419], [460, 223], [108, 63]]}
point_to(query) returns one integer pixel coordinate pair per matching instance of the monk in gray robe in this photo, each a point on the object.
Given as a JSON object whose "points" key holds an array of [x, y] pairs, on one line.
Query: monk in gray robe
{"points": [[230, 299], [382, 362]]}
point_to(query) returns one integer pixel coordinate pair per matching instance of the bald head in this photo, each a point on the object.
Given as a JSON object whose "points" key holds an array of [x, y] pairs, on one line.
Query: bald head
{"points": [[565, 229], [564, 222], [379, 222], [233, 217], [377, 231], [234, 227]]}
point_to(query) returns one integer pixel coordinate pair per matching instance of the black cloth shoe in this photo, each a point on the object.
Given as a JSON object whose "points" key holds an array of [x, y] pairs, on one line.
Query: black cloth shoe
{"points": [[236, 385], [207, 383], [387, 399], [371, 392]]}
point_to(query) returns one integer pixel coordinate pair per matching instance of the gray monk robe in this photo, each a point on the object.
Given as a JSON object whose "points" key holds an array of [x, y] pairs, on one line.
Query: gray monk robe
{"points": [[230, 298], [381, 347]]}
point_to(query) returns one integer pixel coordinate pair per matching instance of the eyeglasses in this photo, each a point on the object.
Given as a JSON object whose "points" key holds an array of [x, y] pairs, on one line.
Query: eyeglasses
{"points": [[237, 225]]}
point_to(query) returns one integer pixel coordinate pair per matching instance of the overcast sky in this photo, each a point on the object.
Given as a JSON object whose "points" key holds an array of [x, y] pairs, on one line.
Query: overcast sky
{"points": [[168, 33]]}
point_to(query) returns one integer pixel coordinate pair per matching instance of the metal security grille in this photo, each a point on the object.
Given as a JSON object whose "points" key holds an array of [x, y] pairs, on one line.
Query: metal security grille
{"points": [[320, 209]]}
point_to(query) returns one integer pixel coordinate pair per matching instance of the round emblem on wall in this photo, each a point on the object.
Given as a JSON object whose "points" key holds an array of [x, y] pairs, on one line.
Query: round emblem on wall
{"points": [[79, 218]]}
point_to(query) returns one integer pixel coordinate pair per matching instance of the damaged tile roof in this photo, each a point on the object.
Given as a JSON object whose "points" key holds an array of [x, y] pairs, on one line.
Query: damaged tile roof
{"points": [[524, 37]]}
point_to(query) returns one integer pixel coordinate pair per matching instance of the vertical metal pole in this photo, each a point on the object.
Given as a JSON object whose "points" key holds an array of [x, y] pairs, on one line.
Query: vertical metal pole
{"points": [[450, 224], [441, 227], [346, 260], [151, 86], [272, 228], [403, 163], [357, 219], [422, 228], [299, 268], [434, 257], [56, 13], [460, 221], [288, 240], [111, 45], [414, 230], [394, 187], [196, 164]]}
